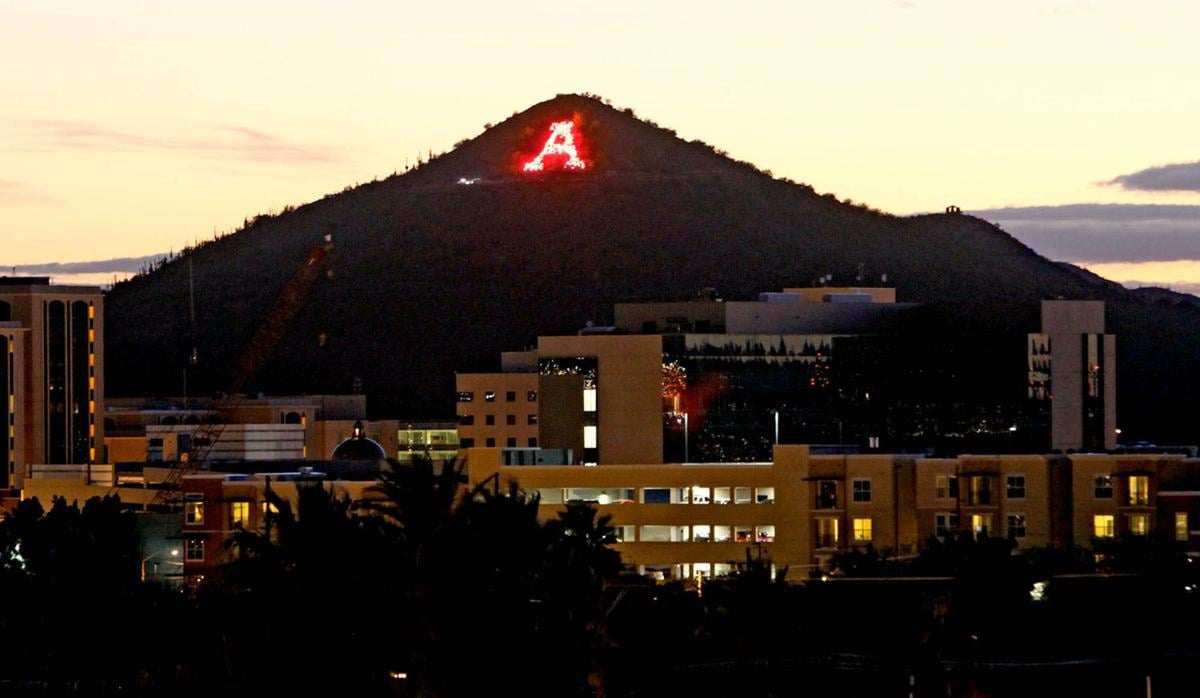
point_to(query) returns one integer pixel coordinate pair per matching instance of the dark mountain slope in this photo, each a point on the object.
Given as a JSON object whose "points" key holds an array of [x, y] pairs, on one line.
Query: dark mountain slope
{"points": [[431, 276]]}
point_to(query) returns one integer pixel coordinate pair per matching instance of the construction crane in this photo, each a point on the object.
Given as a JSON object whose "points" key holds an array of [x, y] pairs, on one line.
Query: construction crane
{"points": [[268, 335]]}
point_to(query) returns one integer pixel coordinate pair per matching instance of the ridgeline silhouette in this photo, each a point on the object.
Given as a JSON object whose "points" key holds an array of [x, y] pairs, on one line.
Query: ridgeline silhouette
{"points": [[433, 276]]}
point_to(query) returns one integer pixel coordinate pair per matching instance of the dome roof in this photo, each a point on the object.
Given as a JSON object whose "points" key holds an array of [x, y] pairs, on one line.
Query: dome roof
{"points": [[359, 447]]}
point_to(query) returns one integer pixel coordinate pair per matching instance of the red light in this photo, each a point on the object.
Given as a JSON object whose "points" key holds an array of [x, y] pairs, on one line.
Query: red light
{"points": [[560, 143]]}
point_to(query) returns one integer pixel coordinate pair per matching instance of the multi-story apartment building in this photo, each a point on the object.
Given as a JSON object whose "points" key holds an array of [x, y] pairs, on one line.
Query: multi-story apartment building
{"points": [[54, 341]]}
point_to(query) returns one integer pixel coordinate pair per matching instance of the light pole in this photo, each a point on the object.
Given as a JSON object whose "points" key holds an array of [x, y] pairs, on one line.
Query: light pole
{"points": [[685, 437], [174, 553]]}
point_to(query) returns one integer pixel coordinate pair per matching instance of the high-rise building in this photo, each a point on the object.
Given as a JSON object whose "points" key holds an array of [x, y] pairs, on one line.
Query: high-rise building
{"points": [[54, 373]]}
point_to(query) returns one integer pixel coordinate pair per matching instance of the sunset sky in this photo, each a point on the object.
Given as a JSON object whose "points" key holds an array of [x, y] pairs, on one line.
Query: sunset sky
{"points": [[132, 128]]}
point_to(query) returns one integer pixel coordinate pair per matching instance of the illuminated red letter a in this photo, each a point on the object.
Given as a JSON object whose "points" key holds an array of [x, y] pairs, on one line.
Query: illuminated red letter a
{"points": [[561, 142]]}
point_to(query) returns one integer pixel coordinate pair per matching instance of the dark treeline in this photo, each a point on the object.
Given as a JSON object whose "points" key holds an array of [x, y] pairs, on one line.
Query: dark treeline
{"points": [[446, 593]]}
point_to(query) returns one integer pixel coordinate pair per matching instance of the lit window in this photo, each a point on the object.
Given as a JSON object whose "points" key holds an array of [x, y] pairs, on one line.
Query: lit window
{"points": [[1015, 487], [827, 532], [489, 396], [947, 486], [1181, 526], [722, 534], [701, 495], [1139, 524], [981, 490], [589, 399], [193, 512], [1103, 487], [1139, 490], [465, 396], [765, 495], [981, 524], [702, 534], [743, 534], [239, 514], [741, 495], [722, 495], [194, 550], [765, 534], [531, 396], [862, 530], [624, 534], [1016, 525], [1104, 525], [589, 437], [861, 490]]}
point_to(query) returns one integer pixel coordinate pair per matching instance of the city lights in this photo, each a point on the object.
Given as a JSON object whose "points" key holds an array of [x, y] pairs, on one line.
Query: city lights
{"points": [[560, 143]]}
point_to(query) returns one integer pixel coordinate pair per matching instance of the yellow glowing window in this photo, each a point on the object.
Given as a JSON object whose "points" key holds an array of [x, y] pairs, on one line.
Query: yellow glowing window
{"points": [[91, 311], [193, 512], [862, 530], [1139, 490], [827, 532], [1181, 526], [1104, 526], [1139, 524], [981, 524], [239, 514]]}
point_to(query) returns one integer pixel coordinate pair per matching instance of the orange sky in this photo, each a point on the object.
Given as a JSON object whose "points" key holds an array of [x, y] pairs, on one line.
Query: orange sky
{"points": [[131, 128]]}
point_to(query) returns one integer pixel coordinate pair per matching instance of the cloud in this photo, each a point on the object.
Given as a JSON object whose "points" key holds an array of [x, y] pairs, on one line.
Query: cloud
{"points": [[223, 141], [1104, 233], [1183, 176], [118, 265], [20, 193]]}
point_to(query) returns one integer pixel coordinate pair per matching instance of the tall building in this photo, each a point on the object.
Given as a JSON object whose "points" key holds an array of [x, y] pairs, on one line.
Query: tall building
{"points": [[61, 339]]}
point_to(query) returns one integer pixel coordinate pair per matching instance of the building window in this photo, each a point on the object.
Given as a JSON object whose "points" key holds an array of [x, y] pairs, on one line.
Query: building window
{"points": [[722, 495], [765, 495], [827, 532], [1139, 524], [511, 442], [624, 534], [491, 443], [1181, 526], [533, 442], [741, 495], [947, 486], [466, 420], [701, 495], [862, 530], [827, 494], [1103, 487], [531, 419], [722, 534], [701, 534], [1015, 487], [510, 396], [490, 420], [945, 524], [589, 399], [861, 490], [510, 419], [765, 534], [743, 534], [1016, 525], [194, 550], [1104, 526], [1139, 490], [531, 396], [239, 514], [465, 396], [980, 493], [193, 512], [589, 437], [468, 442], [981, 524], [489, 396]]}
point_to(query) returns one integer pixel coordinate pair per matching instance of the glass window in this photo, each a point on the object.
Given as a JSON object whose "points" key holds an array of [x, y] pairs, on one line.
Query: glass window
{"points": [[193, 512], [511, 442], [466, 419], [764, 495], [947, 486], [1103, 487], [624, 534], [589, 399], [741, 495], [862, 530], [945, 524], [701, 495], [239, 514], [467, 442], [589, 437], [510, 419], [743, 534], [1104, 526], [722, 534], [531, 396], [1015, 487], [194, 549], [702, 534], [861, 490], [490, 420], [533, 442], [1181, 526], [1139, 490], [981, 490], [665, 495], [466, 396], [510, 396], [981, 524], [491, 442], [827, 494], [1016, 525], [765, 534], [490, 396], [656, 534], [722, 495], [531, 419], [827, 532], [1139, 524], [550, 495]]}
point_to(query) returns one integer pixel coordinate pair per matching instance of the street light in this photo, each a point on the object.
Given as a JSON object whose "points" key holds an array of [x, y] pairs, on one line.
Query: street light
{"points": [[174, 553]]}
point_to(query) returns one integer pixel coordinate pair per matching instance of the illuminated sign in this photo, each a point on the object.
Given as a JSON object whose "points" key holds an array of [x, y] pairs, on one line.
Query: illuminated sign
{"points": [[560, 146]]}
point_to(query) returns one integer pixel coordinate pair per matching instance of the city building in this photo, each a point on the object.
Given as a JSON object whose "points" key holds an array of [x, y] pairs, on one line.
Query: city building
{"points": [[53, 341]]}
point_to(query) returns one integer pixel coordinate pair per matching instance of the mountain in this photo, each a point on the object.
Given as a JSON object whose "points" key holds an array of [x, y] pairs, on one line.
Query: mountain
{"points": [[431, 275]]}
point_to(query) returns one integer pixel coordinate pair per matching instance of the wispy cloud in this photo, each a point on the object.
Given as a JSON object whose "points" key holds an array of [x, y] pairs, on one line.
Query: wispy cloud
{"points": [[19, 193], [222, 141], [117, 265], [1104, 233], [1183, 176]]}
